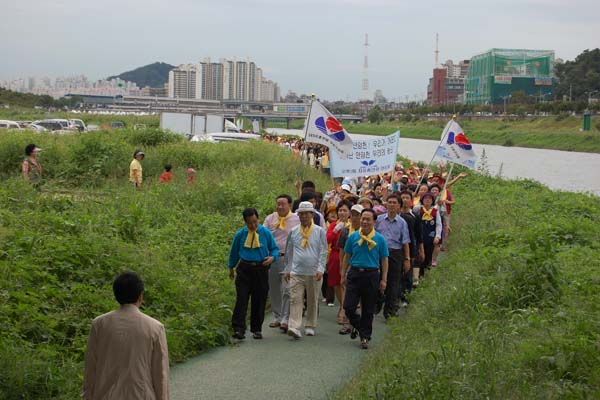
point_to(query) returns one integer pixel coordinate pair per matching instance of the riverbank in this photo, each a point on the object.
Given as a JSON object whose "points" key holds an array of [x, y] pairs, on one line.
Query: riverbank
{"points": [[60, 250], [555, 133], [511, 310]]}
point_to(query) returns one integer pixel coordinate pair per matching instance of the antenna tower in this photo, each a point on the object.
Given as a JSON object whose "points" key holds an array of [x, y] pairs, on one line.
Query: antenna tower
{"points": [[437, 51], [365, 81]]}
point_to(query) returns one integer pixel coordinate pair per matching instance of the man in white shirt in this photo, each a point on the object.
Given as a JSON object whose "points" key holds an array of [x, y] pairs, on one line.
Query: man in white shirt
{"points": [[306, 254], [280, 223]]}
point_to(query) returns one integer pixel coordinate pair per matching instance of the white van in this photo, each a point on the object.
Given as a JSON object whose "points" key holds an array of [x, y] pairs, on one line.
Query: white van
{"points": [[6, 124], [225, 137]]}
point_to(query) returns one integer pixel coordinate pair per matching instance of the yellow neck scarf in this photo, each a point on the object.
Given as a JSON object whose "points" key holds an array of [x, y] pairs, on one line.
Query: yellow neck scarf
{"points": [[351, 229], [427, 214], [367, 238], [252, 240], [281, 221], [305, 232]]}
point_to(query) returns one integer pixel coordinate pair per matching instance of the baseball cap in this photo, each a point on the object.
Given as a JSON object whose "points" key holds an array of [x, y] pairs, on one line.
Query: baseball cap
{"points": [[305, 206], [358, 208]]}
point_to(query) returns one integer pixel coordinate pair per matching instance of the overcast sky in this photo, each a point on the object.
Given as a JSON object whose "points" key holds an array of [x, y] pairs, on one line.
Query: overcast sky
{"points": [[306, 45]]}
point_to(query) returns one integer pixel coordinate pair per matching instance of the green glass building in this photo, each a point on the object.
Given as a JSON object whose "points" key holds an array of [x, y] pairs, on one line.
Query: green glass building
{"points": [[497, 73]]}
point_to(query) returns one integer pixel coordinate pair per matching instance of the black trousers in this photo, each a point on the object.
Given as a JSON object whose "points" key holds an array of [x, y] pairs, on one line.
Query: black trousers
{"points": [[428, 248], [391, 297], [363, 287], [406, 281], [251, 282]]}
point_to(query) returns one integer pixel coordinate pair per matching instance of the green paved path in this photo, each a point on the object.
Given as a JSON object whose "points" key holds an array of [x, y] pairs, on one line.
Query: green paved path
{"points": [[277, 367]]}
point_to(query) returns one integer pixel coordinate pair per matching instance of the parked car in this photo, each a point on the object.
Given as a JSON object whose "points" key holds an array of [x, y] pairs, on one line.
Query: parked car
{"points": [[79, 124], [56, 124], [117, 125], [6, 124], [35, 127], [225, 137], [50, 125]]}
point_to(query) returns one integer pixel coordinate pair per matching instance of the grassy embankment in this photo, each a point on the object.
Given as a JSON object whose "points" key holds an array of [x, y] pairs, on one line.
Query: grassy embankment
{"points": [[60, 250], [558, 133], [513, 310]]}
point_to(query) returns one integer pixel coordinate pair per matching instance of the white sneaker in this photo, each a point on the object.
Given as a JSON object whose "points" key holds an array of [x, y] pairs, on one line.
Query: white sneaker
{"points": [[294, 333], [309, 332]]}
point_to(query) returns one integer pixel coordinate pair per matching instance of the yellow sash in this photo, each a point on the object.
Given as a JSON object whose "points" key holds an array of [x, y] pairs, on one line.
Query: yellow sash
{"points": [[281, 221], [252, 240], [305, 232], [367, 238], [427, 214]]}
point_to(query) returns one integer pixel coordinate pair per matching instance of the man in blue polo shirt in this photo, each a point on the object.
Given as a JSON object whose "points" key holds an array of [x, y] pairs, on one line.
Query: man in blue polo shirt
{"points": [[366, 251], [252, 252]]}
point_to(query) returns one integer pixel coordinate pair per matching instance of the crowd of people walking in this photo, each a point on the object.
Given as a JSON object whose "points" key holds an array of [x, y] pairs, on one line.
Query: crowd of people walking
{"points": [[365, 243]]}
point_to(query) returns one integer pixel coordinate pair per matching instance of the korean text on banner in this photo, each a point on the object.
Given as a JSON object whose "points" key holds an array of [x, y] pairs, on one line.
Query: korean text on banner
{"points": [[455, 147], [368, 157], [323, 128]]}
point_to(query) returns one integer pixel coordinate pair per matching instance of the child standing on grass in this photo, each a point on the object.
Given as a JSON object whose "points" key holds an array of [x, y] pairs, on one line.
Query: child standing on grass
{"points": [[191, 173], [167, 176]]}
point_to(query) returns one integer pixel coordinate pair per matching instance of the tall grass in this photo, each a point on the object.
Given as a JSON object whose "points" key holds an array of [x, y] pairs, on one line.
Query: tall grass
{"points": [[60, 250], [512, 310]]}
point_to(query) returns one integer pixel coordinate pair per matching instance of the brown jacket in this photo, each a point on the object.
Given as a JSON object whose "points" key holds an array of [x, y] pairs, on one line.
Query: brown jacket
{"points": [[126, 357]]}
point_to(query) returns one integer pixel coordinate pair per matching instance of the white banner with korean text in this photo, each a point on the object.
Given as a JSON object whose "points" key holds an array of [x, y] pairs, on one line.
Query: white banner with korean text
{"points": [[368, 157]]}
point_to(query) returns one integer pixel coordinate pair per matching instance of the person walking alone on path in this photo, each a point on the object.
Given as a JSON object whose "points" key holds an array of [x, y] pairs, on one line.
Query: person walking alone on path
{"points": [[306, 253], [31, 168], [127, 355], [280, 223], [253, 250], [135, 169], [366, 253], [395, 231]]}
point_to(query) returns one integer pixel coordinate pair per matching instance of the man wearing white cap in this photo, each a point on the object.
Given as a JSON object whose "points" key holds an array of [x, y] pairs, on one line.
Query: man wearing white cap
{"points": [[306, 254]]}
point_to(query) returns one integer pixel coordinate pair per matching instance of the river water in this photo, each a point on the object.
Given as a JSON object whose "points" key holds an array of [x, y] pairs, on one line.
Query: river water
{"points": [[559, 170], [562, 170]]}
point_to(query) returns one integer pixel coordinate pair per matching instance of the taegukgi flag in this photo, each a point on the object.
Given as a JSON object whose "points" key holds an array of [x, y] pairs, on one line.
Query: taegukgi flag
{"points": [[323, 128], [455, 147]]}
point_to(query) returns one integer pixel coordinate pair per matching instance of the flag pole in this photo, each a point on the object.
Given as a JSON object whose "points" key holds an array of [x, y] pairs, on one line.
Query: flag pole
{"points": [[444, 134], [312, 100], [447, 179]]}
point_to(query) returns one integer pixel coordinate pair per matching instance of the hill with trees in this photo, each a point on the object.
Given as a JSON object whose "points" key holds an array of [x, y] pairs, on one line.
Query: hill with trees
{"points": [[153, 75], [581, 77], [16, 99]]}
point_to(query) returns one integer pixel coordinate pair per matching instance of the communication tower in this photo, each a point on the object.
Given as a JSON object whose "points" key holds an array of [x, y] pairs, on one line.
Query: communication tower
{"points": [[365, 81], [437, 51]]}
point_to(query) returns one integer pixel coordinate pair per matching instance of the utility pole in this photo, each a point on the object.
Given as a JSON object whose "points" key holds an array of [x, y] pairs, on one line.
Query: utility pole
{"points": [[570, 92]]}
